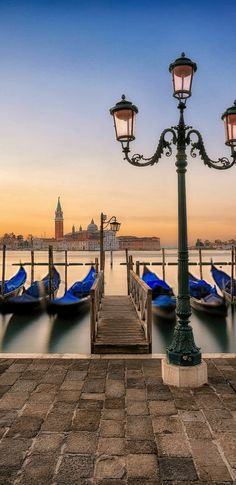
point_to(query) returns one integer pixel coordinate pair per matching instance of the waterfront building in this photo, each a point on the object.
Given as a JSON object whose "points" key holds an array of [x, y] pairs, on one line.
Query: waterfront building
{"points": [[59, 221], [89, 239], [139, 243]]}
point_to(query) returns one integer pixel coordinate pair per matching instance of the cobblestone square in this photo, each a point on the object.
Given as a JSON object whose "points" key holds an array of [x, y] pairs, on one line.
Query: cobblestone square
{"points": [[113, 422]]}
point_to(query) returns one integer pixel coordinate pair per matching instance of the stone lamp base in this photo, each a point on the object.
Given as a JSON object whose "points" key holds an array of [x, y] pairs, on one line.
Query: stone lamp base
{"points": [[181, 376]]}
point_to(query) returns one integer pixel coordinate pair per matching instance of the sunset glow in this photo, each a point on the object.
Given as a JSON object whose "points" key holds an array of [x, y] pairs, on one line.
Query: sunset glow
{"points": [[63, 65]]}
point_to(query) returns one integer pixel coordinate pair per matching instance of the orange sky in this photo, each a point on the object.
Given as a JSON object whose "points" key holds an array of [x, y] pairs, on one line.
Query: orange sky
{"points": [[144, 200]]}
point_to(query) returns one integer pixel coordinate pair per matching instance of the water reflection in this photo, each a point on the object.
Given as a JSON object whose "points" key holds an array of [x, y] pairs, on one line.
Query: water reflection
{"points": [[162, 333], [214, 329], [27, 333], [67, 329]]}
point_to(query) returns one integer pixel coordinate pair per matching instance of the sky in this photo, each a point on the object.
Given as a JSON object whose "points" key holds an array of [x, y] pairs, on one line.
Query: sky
{"points": [[63, 65]]}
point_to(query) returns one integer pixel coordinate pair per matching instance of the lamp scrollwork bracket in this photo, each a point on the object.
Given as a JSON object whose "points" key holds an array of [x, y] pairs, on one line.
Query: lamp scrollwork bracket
{"points": [[220, 164], [164, 146]]}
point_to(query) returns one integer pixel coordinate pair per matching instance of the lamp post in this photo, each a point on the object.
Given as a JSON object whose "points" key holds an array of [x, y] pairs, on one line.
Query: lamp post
{"points": [[114, 226], [183, 351]]}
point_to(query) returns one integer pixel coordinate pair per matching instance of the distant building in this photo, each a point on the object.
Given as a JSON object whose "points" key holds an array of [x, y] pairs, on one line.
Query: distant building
{"points": [[216, 244], [139, 243], [59, 221], [89, 239]]}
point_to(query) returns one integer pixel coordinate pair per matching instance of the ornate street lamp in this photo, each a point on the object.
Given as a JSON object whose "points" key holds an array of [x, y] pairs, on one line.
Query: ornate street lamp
{"points": [[114, 226], [182, 351]]}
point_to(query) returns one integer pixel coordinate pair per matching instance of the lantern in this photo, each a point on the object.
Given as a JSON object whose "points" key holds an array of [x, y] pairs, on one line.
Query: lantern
{"points": [[229, 118], [115, 225], [182, 74], [124, 113]]}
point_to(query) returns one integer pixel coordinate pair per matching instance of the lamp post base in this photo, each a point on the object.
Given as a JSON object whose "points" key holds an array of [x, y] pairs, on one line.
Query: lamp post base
{"points": [[182, 376], [183, 350]]}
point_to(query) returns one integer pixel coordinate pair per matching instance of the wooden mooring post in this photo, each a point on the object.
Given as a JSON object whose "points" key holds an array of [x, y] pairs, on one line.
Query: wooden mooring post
{"points": [[32, 266], [163, 264], [96, 265], [127, 267], [200, 262], [66, 264], [232, 273], [50, 265], [131, 263], [3, 268]]}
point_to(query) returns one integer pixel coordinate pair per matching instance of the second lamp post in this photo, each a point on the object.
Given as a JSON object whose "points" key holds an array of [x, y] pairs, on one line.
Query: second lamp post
{"points": [[114, 226]]}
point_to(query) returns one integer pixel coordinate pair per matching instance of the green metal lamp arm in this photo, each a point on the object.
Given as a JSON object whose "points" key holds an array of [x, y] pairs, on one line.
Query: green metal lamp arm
{"points": [[220, 164], [163, 146]]}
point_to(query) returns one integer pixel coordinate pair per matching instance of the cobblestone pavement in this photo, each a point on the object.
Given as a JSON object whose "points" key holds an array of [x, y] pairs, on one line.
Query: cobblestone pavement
{"points": [[113, 422]]}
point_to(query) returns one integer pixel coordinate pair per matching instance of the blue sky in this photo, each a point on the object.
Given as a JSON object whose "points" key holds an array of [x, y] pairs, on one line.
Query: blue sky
{"points": [[63, 65]]}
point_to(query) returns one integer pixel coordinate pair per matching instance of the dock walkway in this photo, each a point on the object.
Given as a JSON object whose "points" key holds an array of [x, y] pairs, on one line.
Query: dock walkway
{"points": [[119, 328]]}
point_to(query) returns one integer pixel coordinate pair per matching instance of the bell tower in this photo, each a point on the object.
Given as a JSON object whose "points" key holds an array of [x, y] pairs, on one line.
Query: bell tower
{"points": [[59, 232]]}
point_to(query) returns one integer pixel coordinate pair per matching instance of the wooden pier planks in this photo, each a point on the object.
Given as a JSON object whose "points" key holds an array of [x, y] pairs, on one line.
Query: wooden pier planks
{"points": [[119, 328]]}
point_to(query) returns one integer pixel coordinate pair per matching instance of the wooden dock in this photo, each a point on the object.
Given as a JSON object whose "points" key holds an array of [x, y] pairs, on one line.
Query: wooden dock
{"points": [[121, 324], [119, 328]]}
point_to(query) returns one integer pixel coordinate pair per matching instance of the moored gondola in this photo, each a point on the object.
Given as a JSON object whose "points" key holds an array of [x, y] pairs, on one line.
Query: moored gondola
{"points": [[163, 298], [204, 297], [75, 298], [33, 299], [14, 285], [224, 282]]}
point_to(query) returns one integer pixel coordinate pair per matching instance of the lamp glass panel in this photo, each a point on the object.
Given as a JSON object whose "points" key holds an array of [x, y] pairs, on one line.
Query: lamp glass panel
{"points": [[182, 79], [230, 129], [115, 226], [124, 123]]}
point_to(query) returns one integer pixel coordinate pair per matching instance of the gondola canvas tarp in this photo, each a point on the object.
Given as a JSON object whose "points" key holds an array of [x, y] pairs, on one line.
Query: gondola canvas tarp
{"points": [[15, 283], [75, 297]]}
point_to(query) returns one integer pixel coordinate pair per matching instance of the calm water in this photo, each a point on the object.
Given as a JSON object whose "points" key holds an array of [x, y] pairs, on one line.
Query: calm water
{"points": [[41, 333]]}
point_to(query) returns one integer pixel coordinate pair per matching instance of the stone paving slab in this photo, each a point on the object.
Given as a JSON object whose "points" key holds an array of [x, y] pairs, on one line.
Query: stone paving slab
{"points": [[113, 422]]}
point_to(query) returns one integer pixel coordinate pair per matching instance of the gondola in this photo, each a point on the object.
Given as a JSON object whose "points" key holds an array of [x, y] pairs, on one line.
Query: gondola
{"points": [[223, 281], [163, 298], [74, 299], [14, 285], [33, 299], [204, 297]]}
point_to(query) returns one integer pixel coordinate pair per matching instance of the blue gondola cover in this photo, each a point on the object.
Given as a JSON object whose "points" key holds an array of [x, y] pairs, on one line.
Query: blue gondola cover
{"points": [[41, 288], [16, 281], [222, 279], [158, 286]]}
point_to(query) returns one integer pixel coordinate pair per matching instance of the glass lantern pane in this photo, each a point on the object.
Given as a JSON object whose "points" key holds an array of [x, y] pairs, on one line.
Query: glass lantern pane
{"points": [[231, 129], [124, 124], [115, 226], [182, 77]]}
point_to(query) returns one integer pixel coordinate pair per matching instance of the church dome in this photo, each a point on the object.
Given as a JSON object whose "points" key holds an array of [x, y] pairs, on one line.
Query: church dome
{"points": [[92, 227]]}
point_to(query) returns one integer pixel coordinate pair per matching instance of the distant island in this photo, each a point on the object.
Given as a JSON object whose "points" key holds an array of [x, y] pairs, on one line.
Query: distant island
{"points": [[217, 244]]}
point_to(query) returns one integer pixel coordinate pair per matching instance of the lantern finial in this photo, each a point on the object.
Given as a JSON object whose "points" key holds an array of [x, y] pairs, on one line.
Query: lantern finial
{"points": [[183, 54], [123, 96]]}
